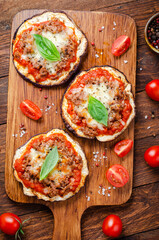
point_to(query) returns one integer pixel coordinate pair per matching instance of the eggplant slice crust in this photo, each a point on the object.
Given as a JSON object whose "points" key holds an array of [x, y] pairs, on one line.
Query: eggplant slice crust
{"points": [[69, 40], [66, 178], [109, 86]]}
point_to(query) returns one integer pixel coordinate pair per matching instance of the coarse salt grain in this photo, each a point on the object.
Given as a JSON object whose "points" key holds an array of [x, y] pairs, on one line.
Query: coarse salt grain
{"points": [[114, 23], [96, 55], [108, 194], [22, 133], [88, 198], [113, 29], [140, 69], [146, 117], [148, 127], [103, 191], [109, 187], [125, 61]]}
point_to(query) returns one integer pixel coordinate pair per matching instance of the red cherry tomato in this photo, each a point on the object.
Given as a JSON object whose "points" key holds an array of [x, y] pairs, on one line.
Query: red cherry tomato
{"points": [[151, 156], [123, 147], [152, 89], [112, 226], [30, 109], [120, 45], [9, 223], [117, 175]]}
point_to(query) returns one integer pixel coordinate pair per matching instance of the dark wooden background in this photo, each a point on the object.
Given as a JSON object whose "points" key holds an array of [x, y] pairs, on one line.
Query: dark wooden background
{"points": [[140, 215]]}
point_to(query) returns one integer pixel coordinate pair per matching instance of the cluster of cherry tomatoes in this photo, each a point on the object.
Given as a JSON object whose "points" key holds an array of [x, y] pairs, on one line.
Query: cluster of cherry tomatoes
{"points": [[117, 175]]}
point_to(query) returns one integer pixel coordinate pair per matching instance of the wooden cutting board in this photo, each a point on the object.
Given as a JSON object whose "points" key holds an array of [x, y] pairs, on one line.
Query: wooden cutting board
{"points": [[97, 190]]}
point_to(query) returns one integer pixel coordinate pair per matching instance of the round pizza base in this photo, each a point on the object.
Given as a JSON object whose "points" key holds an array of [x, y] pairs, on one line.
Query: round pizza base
{"points": [[81, 50], [32, 192], [74, 128]]}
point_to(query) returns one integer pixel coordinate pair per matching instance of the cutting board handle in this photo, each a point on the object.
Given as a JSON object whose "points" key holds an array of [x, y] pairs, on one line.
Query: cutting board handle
{"points": [[67, 223]]}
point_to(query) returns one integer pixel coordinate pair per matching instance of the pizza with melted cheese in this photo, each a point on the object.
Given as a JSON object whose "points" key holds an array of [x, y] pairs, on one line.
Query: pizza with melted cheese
{"points": [[68, 39], [66, 178], [108, 86]]}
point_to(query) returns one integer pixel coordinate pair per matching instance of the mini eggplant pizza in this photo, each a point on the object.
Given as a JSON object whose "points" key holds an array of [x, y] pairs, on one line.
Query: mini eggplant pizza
{"points": [[51, 166], [98, 103], [47, 48]]}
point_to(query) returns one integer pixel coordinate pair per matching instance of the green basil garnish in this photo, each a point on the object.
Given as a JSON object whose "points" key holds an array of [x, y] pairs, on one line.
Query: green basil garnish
{"points": [[46, 48], [49, 163], [97, 110]]}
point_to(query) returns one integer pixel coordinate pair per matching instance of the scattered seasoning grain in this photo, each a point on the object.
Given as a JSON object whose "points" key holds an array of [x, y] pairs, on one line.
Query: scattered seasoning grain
{"points": [[21, 125], [153, 115], [148, 127], [146, 117], [141, 69], [125, 61], [96, 55], [101, 29], [92, 43], [114, 23]]}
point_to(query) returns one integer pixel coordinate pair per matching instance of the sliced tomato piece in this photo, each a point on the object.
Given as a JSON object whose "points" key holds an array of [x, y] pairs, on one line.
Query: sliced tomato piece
{"points": [[123, 147], [117, 175], [30, 109], [120, 45]]}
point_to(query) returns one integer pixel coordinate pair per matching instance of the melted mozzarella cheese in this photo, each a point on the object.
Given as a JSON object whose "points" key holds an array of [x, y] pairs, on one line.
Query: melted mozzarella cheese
{"points": [[37, 160], [60, 40], [101, 92]]}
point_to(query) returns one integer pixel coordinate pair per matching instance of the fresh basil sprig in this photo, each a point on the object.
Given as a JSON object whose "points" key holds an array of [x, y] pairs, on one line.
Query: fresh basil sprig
{"points": [[46, 48], [49, 163], [97, 110]]}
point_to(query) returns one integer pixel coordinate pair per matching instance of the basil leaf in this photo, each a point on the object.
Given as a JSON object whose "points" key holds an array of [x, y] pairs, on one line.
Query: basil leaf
{"points": [[49, 163], [46, 48], [97, 110]]}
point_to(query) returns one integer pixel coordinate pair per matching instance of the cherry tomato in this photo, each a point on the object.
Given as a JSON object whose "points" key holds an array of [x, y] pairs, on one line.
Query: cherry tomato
{"points": [[151, 156], [112, 226], [120, 45], [9, 224], [30, 109], [123, 147], [152, 89], [117, 175]]}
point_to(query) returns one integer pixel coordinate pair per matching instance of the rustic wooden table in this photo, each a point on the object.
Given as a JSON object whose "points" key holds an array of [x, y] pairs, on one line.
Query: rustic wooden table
{"points": [[140, 215]]}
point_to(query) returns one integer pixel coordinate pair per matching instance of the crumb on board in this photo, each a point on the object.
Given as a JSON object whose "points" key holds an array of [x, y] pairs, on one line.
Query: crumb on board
{"points": [[88, 198], [114, 23], [125, 61]]}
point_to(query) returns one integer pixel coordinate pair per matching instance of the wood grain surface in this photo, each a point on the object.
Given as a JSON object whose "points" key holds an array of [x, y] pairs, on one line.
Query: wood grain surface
{"points": [[92, 193], [140, 213]]}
